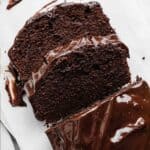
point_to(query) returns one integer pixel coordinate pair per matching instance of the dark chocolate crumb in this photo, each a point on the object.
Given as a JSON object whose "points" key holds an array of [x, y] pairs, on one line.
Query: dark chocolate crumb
{"points": [[143, 57]]}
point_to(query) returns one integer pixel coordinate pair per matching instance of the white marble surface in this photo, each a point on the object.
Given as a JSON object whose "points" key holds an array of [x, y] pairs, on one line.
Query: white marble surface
{"points": [[130, 18]]}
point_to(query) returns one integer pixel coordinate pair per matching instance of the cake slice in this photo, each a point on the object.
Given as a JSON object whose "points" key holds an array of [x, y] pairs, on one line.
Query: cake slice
{"points": [[53, 27], [66, 58], [119, 122], [77, 74]]}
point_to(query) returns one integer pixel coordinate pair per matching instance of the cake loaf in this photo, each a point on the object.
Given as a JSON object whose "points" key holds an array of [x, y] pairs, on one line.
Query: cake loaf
{"points": [[65, 58], [120, 122]]}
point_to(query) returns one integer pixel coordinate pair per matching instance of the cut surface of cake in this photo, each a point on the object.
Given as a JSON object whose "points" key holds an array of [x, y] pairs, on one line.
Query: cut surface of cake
{"points": [[120, 122], [65, 58]]}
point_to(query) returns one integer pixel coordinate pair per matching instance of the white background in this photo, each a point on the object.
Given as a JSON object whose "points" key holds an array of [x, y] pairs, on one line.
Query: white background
{"points": [[130, 18]]}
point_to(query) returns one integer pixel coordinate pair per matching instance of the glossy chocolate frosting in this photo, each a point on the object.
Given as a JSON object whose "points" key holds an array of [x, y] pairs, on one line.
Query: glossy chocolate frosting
{"points": [[14, 87], [120, 122]]}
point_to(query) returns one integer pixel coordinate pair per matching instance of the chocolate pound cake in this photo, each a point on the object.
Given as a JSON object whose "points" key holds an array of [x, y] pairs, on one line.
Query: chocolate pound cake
{"points": [[65, 58], [120, 122]]}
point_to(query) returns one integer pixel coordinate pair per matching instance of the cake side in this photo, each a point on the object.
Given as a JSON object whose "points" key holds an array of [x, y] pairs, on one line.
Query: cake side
{"points": [[121, 121]]}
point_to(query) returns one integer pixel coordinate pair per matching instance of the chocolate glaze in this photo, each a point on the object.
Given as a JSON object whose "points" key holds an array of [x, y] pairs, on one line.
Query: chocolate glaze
{"points": [[13, 87], [14, 92], [120, 122], [12, 3]]}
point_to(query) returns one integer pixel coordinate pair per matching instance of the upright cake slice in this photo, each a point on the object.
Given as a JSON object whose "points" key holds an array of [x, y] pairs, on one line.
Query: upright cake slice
{"points": [[120, 122], [66, 58]]}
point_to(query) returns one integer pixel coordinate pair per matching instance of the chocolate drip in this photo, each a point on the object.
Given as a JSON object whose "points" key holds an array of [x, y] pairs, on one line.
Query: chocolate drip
{"points": [[14, 87], [120, 122], [12, 90], [12, 3]]}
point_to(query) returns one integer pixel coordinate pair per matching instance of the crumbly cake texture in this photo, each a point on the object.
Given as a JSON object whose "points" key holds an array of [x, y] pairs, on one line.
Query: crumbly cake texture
{"points": [[65, 58], [120, 122]]}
